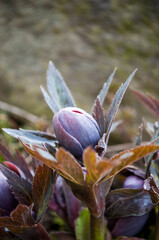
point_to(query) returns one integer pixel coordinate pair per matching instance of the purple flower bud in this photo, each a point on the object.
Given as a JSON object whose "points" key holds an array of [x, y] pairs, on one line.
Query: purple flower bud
{"points": [[133, 182], [128, 226], [75, 130], [7, 200]]}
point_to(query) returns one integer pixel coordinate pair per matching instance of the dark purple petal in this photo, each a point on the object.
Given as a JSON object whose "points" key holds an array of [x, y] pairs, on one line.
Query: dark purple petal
{"points": [[129, 226], [7, 199], [134, 182]]}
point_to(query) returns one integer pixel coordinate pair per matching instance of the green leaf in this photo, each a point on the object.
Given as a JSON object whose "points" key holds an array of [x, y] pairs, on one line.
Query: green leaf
{"points": [[115, 105], [82, 225], [20, 187], [42, 188], [127, 202], [60, 95]]}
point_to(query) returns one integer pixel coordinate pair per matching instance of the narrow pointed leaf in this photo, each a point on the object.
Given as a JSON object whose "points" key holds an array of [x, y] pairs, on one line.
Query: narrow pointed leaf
{"points": [[127, 202], [104, 90], [60, 95], [151, 187], [151, 102], [125, 158], [99, 115], [115, 105], [53, 105], [20, 187], [42, 188]]}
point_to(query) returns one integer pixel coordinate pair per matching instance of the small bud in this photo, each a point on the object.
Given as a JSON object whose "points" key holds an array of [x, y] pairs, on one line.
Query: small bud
{"points": [[133, 182], [75, 130], [7, 200]]}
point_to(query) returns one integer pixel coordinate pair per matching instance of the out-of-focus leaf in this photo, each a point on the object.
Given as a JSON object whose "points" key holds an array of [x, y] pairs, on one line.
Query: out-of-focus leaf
{"points": [[21, 163], [42, 188], [4, 235], [115, 105], [115, 125], [151, 102], [150, 186], [72, 204], [127, 202], [19, 160], [62, 236], [60, 96], [139, 136], [98, 115], [154, 171], [21, 224], [127, 157], [82, 225], [149, 127], [34, 137], [20, 187], [129, 238], [6, 154]]}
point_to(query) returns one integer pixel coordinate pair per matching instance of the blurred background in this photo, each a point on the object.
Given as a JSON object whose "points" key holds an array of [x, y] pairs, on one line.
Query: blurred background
{"points": [[86, 40]]}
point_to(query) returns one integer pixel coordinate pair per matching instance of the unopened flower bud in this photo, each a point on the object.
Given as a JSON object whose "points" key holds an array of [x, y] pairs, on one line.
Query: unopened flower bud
{"points": [[7, 200], [133, 182], [75, 130]]}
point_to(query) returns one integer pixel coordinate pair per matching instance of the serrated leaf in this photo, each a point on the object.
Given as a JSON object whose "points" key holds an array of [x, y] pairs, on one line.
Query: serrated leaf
{"points": [[22, 225], [151, 102], [22, 215], [115, 105], [60, 95], [82, 225], [99, 115], [68, 166], [127, 157], [96, 168], [20, 187], [127, 202], [64, 163], [42, 188], [34, 137]]}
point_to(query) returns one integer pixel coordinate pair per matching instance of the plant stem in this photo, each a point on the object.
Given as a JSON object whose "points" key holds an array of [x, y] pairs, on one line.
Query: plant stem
{"points": [[97, 231], [157, 225]]}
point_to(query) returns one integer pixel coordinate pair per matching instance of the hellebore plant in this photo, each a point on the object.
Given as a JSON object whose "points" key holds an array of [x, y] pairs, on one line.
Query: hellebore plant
{"points": [[77, 154]]}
